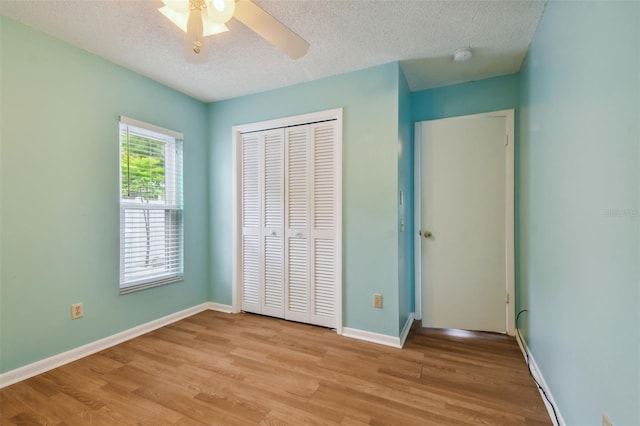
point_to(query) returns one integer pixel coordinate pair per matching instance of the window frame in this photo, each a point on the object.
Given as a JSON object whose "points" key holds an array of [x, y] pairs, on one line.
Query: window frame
{"points": [[166, 136]]}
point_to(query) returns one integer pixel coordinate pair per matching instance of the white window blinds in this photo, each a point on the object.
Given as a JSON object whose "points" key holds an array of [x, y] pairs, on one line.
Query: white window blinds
{"points": [[151, 219]]}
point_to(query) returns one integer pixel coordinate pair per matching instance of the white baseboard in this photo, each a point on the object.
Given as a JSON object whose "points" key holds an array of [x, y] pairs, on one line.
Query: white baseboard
{"points": [[540, 378], [369, 336], [381, 339], [38, 367], [214, 306], [406, 329]]}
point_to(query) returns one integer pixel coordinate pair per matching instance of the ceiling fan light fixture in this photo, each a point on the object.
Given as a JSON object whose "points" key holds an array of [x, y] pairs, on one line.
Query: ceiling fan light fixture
{"points": [[195, 45], [194, 26], [180, 19], [181, 6], [220, 11], [202, 18], [210, 27], [178, 12]]}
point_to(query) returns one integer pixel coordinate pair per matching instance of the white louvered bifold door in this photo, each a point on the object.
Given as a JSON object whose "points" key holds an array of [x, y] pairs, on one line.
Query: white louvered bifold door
{"points": [[297, 175], [272, 302], [290, 214], [310, 233], [250, 199], [323, 238]]}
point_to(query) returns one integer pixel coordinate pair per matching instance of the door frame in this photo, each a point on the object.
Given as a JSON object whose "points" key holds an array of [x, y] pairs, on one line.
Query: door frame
{"points": [[236, 138], [509, 115]]}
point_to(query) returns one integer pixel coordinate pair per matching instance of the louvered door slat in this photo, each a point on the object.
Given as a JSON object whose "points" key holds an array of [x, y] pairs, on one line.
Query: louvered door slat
{"points": [[273, 303], [297, 188], [324, 277], [298, 279], [250, 273], [250, 181], [324, 177], [273, 230], [273, 178], [297, 224], [251, 270], [324, 280]]}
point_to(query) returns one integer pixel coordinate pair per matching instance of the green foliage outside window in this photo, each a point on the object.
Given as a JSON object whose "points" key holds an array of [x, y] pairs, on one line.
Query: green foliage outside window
{"points": [[143, 168]]}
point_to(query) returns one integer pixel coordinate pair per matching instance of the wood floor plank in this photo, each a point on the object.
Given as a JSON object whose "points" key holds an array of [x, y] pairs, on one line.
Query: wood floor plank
{"points": [[120, 402], [221, 369], [31, 417]]}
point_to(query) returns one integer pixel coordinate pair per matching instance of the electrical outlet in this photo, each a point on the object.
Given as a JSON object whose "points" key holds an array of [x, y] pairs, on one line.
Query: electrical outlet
{"points": [[606, 421], [76, 311], [377, 301]]}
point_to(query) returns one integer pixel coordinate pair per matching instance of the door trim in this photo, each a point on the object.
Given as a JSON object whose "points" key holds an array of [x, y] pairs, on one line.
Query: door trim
{"points": [[509, 116], [236, 137]]}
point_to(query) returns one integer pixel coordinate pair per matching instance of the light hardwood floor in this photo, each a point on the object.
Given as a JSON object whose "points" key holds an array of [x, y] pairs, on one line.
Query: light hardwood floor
{"points": [[215, 368]]}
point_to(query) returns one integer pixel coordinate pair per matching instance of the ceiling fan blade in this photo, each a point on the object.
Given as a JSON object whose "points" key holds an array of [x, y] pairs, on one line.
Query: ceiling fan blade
{"points": [[269, 28]]}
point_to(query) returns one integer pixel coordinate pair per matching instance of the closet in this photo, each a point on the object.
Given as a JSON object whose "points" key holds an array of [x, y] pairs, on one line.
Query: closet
{"points": [[289, 221]]}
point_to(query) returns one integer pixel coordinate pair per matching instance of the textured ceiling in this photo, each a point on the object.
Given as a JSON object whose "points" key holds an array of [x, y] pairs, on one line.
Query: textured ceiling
{"points": [[345, 35]]}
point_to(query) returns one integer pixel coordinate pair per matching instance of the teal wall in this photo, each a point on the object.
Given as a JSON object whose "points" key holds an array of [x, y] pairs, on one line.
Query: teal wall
{"points": [[493, 94], [406, 263], [59, 196], [579, 188], [369, 192]]}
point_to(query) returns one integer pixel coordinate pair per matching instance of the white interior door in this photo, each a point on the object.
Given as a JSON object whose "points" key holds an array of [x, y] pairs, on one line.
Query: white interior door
{"points": [[463, 203]]}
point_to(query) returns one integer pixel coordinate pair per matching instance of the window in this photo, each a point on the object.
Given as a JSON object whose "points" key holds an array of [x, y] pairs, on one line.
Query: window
{"points": [[151, 220]]}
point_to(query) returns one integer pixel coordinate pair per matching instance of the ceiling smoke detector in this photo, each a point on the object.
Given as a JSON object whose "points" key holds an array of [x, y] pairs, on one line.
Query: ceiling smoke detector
{"points": [[463, 54]]}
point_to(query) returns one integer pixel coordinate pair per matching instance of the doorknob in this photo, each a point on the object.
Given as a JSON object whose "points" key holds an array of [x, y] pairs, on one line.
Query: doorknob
{"points": [[427, 234]]}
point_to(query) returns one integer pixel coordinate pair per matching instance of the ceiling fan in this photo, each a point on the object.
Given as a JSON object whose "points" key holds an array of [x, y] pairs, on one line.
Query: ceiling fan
{"points": [[202, 18]]}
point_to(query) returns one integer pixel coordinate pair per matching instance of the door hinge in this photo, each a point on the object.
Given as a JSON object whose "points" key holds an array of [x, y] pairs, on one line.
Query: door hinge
{"points": [[506, 140], [507, 298]]}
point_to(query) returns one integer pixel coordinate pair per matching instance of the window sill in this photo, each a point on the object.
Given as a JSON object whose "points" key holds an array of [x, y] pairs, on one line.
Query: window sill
{"points": [[146, 285]]}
